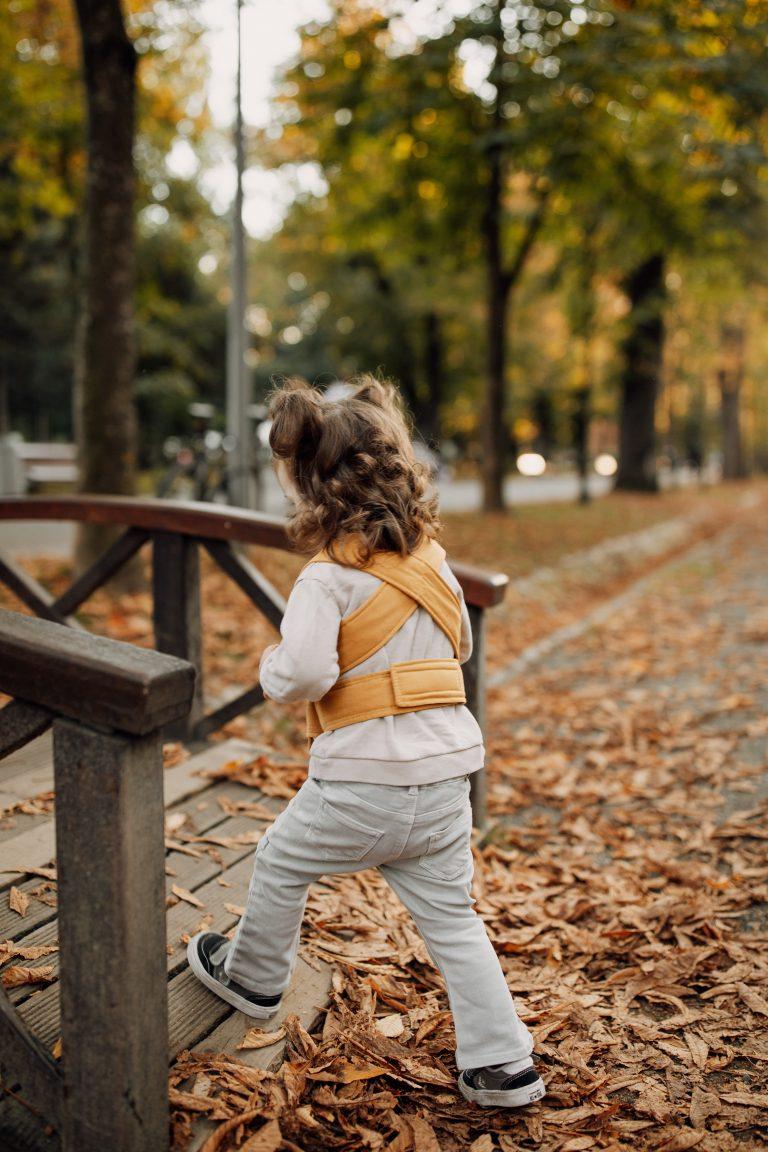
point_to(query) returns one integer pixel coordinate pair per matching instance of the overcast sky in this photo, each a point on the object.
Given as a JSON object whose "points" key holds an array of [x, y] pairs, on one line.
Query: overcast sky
{"points": [[269, 39]]}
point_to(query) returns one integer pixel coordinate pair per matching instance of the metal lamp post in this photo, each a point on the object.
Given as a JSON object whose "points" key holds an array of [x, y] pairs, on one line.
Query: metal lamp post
{"points": [[237, 376]]}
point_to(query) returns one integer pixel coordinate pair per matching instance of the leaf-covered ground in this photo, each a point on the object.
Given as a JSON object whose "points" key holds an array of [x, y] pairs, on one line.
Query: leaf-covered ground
{"points": [[623, 879], [623, 883]]}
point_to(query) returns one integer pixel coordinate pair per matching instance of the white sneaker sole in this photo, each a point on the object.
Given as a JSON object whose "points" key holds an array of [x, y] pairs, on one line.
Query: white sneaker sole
{"points": [[513, 1098], [221, 990]]}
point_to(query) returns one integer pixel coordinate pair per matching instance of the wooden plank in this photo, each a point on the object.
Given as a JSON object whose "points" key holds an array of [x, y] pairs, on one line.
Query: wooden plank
{"points": [[35, 757], [28, 590], [26, 1068], [307, 998], [111, 937], [13, 927], [176, 615], [90, 678], [33, 849], [244, 702], [474, 684], [36, 847], [190, 518], [41, 1009], [187, 778], [481, 589], [20, 723], [247, 577], [193, 1010], [118, 554], [198, 876]]}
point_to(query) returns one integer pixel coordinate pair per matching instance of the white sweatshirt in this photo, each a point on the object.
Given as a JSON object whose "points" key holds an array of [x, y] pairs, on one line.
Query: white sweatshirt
{"points": [[408, 748]]}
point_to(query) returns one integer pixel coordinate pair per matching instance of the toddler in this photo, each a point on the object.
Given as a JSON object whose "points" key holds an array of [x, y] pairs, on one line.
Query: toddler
{"points": [[373, 636]]}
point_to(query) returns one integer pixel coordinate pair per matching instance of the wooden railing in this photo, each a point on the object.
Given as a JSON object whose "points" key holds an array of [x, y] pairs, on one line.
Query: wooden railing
{"points": [[107, 702], [177, 531]]}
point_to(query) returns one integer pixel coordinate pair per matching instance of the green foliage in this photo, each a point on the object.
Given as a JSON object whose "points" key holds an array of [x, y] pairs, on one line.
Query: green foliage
{"points": [[42, 164]]}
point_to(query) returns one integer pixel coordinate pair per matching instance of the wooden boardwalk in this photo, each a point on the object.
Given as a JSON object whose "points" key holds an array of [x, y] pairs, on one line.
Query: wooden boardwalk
{"points": [[210, 840]]}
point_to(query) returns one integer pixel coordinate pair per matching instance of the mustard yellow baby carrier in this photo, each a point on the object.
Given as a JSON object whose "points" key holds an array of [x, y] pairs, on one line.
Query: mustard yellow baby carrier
{"points": [[407, 583]]}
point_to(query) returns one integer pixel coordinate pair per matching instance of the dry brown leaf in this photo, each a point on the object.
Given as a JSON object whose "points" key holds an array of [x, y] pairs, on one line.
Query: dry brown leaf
{"points": [[258, 1038], [390, 1025], [267, 1139], [680, 1141], [45, 873], [348, 1072], [753, 1000], [16, 975], [189, 897], [31, 952], [18, 901]]}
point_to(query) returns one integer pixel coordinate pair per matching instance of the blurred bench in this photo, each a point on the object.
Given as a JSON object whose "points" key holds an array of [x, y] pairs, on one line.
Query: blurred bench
{"points": [[48, 463]]}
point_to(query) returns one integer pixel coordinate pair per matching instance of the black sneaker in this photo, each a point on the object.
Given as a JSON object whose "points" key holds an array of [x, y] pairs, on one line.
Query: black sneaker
{"points": [[206, 959], [494, 1088]]}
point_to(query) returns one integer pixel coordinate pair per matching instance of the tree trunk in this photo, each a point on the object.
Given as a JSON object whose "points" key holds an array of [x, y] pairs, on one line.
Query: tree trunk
{"points": [[494, 431], [730, 377], [580, 431], [642, 350], [433, 373], [106, 354]]}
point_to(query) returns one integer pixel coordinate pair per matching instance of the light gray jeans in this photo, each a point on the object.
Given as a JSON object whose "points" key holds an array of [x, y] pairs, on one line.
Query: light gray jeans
{"points": [[419, 838]]}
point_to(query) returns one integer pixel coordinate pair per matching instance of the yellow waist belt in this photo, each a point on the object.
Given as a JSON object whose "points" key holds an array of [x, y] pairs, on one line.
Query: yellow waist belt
{"points": [[405, 687], [411, 685]]}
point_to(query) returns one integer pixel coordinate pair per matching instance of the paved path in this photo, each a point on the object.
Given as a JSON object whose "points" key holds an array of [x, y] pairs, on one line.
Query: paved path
{"points": [[628, 777]]}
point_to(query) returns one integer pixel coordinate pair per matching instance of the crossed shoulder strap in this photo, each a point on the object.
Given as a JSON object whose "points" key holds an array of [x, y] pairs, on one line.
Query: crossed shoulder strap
{"points": [[407, 583]]}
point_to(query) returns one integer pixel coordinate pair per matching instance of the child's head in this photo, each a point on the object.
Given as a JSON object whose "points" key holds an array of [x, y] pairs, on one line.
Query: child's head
{"points": [[350, 467]]}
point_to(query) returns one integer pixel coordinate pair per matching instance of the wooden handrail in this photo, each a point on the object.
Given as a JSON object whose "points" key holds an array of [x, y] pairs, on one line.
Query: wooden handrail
{"points": [[207, 521], [90, 678], [107, 701]]}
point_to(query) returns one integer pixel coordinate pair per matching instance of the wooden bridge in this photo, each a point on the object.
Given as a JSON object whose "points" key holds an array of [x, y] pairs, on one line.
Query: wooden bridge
{"points": [[96, 997]]}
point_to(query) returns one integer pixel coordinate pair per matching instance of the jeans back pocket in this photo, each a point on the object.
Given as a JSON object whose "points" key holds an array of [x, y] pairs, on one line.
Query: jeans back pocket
{"points": [[449, 850], [335, 835]]}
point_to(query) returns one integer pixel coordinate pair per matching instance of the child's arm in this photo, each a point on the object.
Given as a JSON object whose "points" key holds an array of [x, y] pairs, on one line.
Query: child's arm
{"points": [[305, 664], [465, 648]]}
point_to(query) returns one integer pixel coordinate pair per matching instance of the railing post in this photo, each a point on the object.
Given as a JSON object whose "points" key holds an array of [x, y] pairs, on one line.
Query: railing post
{"points": [[176, 613], [114, 1014], [474, 683]]}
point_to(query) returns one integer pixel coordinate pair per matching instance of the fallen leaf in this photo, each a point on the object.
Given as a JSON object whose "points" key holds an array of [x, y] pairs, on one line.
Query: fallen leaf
{"points": [[753, 1000], [16, 975], [390, 1025], [258, 1038], [18, 901], [267, 1139], [183, 894]]}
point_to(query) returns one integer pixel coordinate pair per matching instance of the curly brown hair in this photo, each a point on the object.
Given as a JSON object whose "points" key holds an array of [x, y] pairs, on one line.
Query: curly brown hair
{"points": [[352, 463]]}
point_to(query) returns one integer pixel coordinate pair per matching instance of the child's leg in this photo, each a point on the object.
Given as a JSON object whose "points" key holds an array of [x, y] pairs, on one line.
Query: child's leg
{"points": [[262, 953], [320, 832], [435, 886]]}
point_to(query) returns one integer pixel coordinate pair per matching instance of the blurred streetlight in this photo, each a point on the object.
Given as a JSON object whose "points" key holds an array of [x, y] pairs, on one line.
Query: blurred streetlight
{"points": [[531, 464], [605, 464]]}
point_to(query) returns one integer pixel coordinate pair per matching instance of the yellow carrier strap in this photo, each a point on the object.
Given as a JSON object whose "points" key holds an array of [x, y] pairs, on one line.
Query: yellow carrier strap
{"points": [[407, 582], [409, 686]]}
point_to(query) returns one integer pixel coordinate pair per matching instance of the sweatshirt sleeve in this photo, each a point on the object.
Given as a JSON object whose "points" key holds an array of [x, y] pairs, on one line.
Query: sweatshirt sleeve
{"points": [[465, 648], [305, 664], [466, 643]]}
